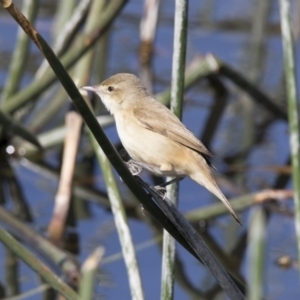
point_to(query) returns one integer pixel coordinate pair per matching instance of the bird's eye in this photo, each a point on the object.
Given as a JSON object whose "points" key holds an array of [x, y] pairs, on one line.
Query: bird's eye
{"points": [[110, 88]]}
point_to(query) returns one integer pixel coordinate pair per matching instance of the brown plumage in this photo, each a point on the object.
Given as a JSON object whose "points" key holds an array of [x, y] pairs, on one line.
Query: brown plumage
{"points": [[153, 135]]}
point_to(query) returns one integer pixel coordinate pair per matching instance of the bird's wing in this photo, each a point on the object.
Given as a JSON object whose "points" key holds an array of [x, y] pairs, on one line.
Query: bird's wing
{"points": [[158, 118]]}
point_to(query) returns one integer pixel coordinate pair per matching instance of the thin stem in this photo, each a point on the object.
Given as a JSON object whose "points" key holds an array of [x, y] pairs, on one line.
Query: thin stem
{"points": [[89, 272], [293, 115], [20, 55], [177, 90], [256, 243], [37, 265], [121, 222]]}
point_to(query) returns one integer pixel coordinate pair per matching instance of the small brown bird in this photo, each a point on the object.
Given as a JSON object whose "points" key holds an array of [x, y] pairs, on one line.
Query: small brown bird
{"points": [[153, 135]]}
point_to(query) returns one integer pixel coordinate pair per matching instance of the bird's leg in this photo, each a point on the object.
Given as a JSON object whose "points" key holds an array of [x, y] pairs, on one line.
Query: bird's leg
{"points": [[162, 187], [135, 167], [176, 179]]}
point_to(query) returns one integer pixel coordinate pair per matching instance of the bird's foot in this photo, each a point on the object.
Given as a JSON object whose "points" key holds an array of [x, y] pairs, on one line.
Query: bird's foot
{"points": [[161, 190], [134, 168]]}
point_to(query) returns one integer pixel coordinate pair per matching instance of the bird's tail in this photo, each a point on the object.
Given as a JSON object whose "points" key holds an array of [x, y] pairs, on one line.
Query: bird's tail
{"points": [[204, 177]]}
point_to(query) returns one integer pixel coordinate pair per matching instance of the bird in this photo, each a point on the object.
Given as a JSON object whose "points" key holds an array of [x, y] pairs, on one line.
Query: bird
{"points": [[153, 136]]}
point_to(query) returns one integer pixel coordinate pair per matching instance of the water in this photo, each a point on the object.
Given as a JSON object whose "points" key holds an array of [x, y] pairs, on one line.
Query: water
{"points": [[230, 45]]}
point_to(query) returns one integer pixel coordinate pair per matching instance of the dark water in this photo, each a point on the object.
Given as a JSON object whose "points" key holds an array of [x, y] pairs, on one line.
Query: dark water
{"points": [[238, 130]]}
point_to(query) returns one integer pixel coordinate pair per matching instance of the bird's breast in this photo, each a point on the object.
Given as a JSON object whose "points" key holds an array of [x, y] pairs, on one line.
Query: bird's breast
{"points": [[135, 138], [152, 148]]}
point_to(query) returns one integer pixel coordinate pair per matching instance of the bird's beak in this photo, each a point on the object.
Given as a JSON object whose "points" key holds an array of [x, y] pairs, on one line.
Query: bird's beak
{"points": [[89, 88]]}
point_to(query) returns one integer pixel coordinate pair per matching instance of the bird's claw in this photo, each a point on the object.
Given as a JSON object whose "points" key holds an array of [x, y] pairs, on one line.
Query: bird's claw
{"points": [[161, 190], [134, 168]]}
